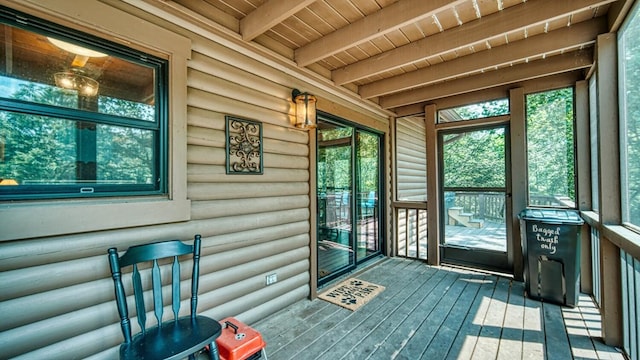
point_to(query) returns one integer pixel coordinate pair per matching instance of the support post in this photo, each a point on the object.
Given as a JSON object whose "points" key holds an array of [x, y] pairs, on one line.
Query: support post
{"points": [[518, 186], [583, 171], [433, 186], [609, 182]]}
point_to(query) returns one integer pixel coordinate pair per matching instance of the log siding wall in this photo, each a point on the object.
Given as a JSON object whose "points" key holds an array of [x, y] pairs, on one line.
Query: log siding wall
{"points": [[411, 159], [56, 293]]}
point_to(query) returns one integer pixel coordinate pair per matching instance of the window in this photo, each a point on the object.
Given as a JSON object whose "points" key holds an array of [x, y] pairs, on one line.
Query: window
{"points": [[79, 116], [629, 95], [474, 111], [147, 45], [550, 148], [593, 134]]}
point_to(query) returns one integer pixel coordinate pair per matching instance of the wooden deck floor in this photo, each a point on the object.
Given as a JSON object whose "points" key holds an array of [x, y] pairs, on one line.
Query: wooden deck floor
{"points": [[436, 313], [492, 236]]}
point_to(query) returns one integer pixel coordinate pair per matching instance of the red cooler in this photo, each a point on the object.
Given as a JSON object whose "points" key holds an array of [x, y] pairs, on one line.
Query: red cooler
{"points": [[239, 341]]}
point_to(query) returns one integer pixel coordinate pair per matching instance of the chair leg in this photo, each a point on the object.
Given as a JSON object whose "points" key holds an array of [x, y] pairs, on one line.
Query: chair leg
{"points": [[213, 351]]}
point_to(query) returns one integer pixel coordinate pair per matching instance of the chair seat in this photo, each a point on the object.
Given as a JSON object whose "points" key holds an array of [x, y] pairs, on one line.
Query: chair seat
{"points": [[173, 340]]}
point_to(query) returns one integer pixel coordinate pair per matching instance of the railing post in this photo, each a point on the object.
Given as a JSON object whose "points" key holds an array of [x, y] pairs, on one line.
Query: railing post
{"points": [[482, 206]]}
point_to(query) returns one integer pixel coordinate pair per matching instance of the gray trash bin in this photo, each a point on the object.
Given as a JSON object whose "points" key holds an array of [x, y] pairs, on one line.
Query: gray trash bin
{"points": [[551, 249]]}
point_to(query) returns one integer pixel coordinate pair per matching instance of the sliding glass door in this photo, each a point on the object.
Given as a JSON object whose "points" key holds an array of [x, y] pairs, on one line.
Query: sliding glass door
{"points": [[335, 175], [349, 206]]}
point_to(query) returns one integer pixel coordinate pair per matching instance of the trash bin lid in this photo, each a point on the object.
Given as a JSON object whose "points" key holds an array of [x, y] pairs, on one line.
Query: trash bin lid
{"points": [[553, 216]]}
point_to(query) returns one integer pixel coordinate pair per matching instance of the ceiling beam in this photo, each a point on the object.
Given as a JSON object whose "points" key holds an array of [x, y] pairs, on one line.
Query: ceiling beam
{"points": [[268, 15], [385, 20], [552, 65], [200, 9], [551, 82], [573, 37], [478, 31], [617, 13]]}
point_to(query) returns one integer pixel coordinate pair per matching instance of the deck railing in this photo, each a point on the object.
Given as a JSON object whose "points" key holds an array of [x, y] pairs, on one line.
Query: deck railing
{"points": [[335, 206], [411, 216], [491, 205], [630, 267], [606, 241], [595, 265], [411, 242], [411, 229], [483, 205]]}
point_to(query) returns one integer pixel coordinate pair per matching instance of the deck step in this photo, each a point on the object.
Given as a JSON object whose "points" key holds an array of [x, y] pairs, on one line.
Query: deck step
{"points": [[458, 217]]}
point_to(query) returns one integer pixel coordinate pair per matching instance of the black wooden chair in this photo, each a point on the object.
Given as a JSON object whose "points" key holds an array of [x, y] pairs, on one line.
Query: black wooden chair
{"points": [[172, 339]]}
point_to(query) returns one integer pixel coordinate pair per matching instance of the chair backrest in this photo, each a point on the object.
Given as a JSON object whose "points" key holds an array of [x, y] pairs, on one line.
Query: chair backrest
{"points": [[152, 253], [371, 200]]}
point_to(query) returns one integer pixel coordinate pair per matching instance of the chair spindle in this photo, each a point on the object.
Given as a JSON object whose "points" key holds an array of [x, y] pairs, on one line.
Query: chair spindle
{"points": [[157, 291], [175, 288], [138, 293], [195, 275]]}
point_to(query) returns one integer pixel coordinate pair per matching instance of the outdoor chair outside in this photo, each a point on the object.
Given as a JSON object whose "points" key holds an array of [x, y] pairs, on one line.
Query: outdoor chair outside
{"points": [[178, 337]]}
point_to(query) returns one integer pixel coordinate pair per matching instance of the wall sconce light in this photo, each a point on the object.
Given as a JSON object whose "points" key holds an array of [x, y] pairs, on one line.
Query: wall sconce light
{"points": [[74, 80], [305, 109]]}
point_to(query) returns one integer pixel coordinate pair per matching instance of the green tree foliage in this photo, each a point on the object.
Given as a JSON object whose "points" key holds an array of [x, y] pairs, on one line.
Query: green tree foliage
{"points": [[335, 159], [38, 147], [550, 144], [484, 110], [477, 158], [474, 159], [125, 154], [630, 115], [44, 150], [368, 161]]}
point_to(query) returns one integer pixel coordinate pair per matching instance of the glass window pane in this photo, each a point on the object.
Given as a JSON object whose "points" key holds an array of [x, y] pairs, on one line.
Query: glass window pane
{"points": [[79, 116], [474, 111], [550, 148], [629, 68], [40, 150], [593, 130], [54, 71], [335, 198], [474, 159], [368, 192]]}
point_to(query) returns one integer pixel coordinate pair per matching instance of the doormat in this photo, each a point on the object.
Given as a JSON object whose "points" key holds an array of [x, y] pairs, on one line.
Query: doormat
{"points": [[352, 293]]}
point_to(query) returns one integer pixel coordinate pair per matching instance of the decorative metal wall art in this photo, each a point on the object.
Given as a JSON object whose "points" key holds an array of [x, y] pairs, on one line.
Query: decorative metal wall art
{"points": [[244, 146]]}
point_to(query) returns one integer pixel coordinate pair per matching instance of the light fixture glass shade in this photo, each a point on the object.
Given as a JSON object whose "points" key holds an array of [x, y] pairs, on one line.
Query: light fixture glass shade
{"points": [[85, 85], [65, 80], [305, 110], [76, 49]]}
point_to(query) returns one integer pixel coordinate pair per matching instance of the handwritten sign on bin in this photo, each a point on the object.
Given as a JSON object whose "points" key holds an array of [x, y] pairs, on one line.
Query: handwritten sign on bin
{"points": [[547, 237]]}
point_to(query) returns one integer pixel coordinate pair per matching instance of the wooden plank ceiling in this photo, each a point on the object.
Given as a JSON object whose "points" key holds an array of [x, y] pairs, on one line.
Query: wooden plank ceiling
{"points": [[402, 54]]}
